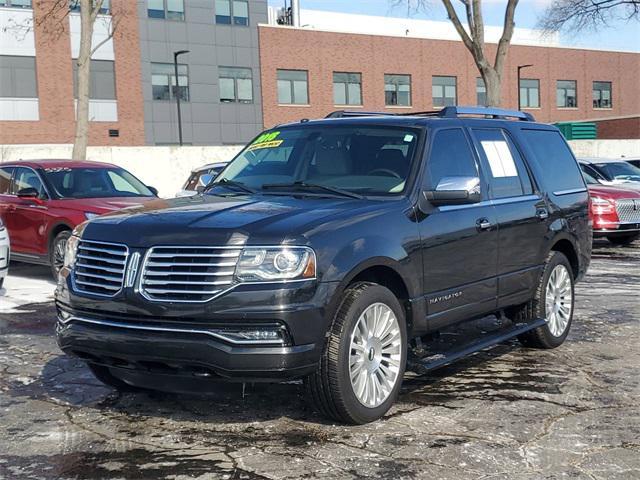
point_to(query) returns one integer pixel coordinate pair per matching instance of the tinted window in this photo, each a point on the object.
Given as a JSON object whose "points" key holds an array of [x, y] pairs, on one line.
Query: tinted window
{"points": [[450, 157], [27, 178], [505, 169], [591, 172], [554, 159], [5, 180], [619, 171], [95, 183]]}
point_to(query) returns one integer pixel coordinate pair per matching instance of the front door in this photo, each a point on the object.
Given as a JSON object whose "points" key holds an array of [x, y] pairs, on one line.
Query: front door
{"points": [[459, 243], [25, 220]]}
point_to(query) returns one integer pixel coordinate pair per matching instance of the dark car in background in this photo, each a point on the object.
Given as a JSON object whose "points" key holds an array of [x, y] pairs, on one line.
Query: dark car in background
{"points": [[42, 201], [633, 161], [326, 248]]}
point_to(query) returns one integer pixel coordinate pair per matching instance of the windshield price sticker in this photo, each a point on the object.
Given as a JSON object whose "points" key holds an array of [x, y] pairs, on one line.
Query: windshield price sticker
{"points": [[266, 140]]}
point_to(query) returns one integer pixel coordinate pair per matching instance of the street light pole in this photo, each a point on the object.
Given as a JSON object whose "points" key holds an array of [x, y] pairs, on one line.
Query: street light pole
{"points": [[520, 67], [177, 91]]}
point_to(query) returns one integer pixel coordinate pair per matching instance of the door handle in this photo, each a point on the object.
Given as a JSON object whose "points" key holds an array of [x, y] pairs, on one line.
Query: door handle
{"points": [[483, 224], [542, 213]]}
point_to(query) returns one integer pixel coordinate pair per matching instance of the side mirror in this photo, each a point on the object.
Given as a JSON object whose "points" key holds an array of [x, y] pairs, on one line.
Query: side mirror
{"points": [[455, 191], [153, 190], [28, 192]]}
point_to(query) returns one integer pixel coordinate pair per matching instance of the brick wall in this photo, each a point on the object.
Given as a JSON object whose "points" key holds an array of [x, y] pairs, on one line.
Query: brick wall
{"points": [[322, 53], [619, 128], [55, 83]]}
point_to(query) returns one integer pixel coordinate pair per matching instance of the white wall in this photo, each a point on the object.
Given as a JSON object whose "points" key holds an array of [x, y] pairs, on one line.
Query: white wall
{"points": [[166, 168]]}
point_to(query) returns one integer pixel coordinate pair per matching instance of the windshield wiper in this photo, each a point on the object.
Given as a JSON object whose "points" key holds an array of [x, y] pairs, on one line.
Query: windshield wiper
{"points": [[312, 186], [230, 183]]}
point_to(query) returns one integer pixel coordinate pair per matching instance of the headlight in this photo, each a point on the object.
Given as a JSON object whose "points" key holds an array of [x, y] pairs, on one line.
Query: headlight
{"points": [[71, 251], [269, 264], [91, 216]]}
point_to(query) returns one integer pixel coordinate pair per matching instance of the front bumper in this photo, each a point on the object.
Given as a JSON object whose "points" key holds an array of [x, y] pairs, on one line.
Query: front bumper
{"points": [[128, 334], [611, 229], [5, 252]]}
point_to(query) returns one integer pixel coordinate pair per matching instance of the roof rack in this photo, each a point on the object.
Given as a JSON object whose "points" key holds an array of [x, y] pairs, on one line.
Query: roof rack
{"points": [[446, 112]]}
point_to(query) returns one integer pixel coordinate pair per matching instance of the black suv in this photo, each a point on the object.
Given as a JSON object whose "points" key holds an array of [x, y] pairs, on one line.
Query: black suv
{"points": [[326, 249]]}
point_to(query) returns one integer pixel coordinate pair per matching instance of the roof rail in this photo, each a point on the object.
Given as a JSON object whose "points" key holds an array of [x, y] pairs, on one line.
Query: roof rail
{"points": [[446, 112], [454, 112]]}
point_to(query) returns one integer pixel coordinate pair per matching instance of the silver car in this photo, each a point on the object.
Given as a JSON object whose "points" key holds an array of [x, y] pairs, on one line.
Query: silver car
{"points": [[200, 178], [612, 171]]}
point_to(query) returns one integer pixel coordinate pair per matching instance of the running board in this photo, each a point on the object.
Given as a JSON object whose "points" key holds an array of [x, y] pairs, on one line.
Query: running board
{"points": [[431, 362]]}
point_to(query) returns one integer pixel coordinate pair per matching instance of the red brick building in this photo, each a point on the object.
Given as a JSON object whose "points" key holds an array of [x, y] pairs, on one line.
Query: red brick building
{"points": [[432, 65]]}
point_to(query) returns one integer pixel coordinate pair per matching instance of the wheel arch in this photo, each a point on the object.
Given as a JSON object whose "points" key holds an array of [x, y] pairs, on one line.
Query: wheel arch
{"points": [[569, 250], [54, 231]]}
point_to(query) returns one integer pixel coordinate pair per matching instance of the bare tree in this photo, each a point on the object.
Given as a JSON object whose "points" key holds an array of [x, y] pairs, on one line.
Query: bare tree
{"points": [[587, 14], [473, 38], [54, 21]]}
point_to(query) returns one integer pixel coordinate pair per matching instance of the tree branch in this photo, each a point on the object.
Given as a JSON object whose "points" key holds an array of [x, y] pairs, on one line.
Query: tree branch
{"points": [[507, 34]]}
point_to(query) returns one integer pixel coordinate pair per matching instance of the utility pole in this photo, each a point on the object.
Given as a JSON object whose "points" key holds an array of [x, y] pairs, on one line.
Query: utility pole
{"points": [[177, 91]]}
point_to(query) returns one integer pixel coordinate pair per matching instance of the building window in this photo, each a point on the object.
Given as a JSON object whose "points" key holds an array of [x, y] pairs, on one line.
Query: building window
{"points": [[163, 75], [566, 94], [169, 9], [102, 83], [444, 91], [397, 90], [481, 92], [347, 88], [232, 12], [15, 3], [236, 85], [602, 95], [529, 93], [74, 6], [18, 77], [293, 87]]}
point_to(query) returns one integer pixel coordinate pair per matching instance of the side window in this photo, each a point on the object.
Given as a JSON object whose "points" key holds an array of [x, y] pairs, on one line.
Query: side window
{"points": [[589, 170], [27, 178], [450, 156], [121, 184], [507, 174], [554, 160], [5, 180]]}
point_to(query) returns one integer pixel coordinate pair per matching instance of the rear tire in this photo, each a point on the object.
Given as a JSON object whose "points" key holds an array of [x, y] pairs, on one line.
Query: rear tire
{"points": [[555, 303], [360, 372], [56, 252], [623, 240]]}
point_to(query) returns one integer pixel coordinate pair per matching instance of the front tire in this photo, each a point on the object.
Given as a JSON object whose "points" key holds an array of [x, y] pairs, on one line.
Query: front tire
{"points": [[56, 252], [623, 240], [554, 301], [361, 369]]}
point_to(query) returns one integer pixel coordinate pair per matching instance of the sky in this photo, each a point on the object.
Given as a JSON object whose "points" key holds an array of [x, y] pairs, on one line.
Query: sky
{"points": [[619, 35]]}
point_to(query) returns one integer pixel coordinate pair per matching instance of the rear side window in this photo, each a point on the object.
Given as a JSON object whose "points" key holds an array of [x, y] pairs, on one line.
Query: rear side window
{"points": [[554, 159], [505, 169], [450, 156], [5, 180]]}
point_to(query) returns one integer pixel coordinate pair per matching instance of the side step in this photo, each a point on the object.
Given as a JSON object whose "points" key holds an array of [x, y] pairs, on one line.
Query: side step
{"points": [[431, 362]]}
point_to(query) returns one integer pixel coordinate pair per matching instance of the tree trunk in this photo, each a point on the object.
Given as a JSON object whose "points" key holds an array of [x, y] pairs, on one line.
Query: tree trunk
{"points": [[83, 81], [492, 83]]}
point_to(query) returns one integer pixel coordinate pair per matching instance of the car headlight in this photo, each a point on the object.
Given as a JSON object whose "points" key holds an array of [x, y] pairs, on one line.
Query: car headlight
{"points": [[91, 216], [272, 264], [71, 251]]}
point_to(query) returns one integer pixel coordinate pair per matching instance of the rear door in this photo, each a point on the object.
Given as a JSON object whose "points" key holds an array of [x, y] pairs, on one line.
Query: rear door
{"points": [[522, 215], [26, 220], [459, 243]]}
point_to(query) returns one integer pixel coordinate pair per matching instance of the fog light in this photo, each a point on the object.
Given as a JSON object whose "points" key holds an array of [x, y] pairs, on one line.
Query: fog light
{"points": [[263, 335]]}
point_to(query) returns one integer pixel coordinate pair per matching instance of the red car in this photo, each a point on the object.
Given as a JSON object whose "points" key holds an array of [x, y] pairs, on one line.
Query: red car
{"points": [[42, 201], [615, 212]]}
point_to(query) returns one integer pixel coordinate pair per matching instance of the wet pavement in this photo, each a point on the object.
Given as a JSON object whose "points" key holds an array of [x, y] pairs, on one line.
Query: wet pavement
{"points": [[509, 413]]}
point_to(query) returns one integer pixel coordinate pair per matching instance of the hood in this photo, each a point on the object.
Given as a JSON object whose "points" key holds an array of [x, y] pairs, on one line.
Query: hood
{"points": [[212, 220], [104, 205], [616, 192]]}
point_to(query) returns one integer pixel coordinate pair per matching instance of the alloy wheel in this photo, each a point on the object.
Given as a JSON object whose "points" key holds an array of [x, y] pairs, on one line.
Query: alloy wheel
{"points": [[558, 300]]}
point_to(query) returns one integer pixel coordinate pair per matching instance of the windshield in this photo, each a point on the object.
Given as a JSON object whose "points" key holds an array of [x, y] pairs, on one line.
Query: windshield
{"points": [[371, 160], [95, 183], [589, 180], [620, 171]]}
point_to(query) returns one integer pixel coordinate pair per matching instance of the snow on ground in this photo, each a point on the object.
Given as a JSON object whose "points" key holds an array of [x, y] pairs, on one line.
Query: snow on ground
{"points": [[26, 284]]}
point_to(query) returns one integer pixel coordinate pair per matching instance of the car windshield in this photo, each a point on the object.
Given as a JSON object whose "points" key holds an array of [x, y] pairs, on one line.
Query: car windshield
{"points": [[330, 160], [589, 180], [194, 180], [620, 171], [70, 182]]}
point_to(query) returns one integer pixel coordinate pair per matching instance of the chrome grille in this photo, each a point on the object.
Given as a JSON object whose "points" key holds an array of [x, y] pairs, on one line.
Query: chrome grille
{"points": [[100, 267], [188, 274], [628, 210]]}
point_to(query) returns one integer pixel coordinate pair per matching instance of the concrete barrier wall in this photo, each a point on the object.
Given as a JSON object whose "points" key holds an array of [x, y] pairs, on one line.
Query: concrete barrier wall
{"points": [[167, 168]]}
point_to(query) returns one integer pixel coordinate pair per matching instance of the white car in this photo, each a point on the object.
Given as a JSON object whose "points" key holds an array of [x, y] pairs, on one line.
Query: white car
{"points": [[612, 171], [199, 179], [4, 252]]}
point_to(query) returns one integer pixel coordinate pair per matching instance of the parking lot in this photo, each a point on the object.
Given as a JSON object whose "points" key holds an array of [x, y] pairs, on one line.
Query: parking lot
{"points": [[510, 413]]}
